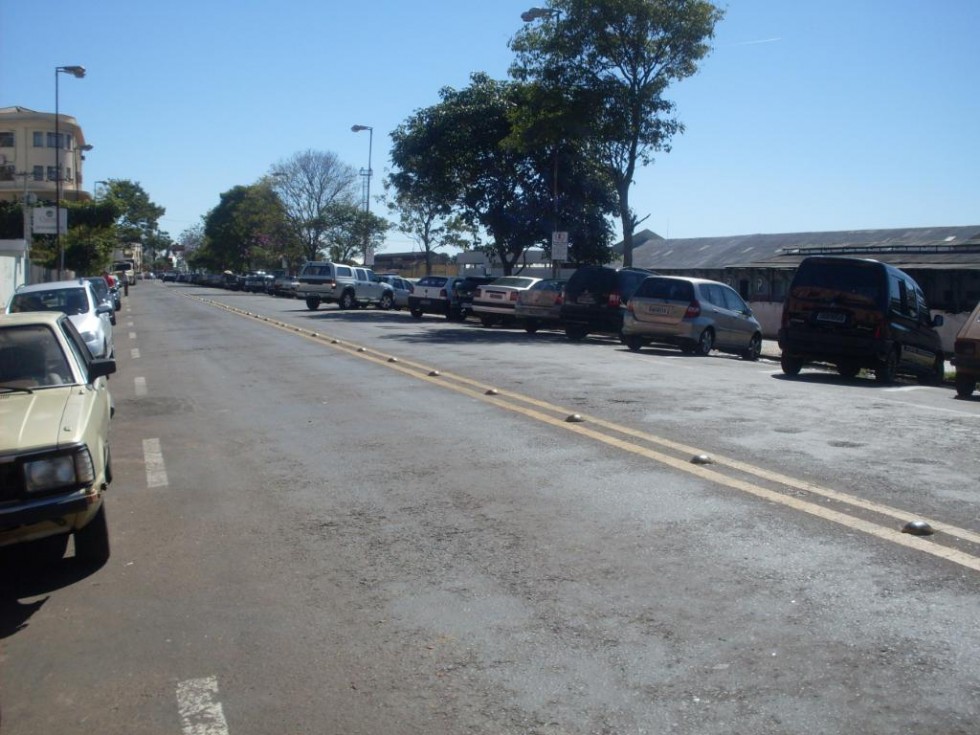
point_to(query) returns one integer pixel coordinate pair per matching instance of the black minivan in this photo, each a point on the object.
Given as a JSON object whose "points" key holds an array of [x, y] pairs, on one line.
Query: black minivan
{"points": [[859, 313], [596, 297]]}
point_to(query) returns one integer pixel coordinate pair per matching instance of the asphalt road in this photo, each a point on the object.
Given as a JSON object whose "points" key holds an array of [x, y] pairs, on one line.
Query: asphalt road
{"points": [[312, 538]]}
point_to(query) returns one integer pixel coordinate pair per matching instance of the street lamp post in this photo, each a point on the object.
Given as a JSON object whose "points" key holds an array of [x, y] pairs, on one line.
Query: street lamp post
{"points": [[367, 189], [78, 72]]}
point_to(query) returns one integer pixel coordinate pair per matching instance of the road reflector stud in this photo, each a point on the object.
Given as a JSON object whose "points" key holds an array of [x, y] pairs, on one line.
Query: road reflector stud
{"points": [[918, 528], [433, 373], [701, 459], [575, 418], [392, 359], [335, 341], [360, 349], [491, 392]]}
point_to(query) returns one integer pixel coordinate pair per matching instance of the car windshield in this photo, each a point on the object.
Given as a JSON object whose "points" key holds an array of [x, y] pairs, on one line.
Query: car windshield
{"points": [[31, 357], [71, 301]]}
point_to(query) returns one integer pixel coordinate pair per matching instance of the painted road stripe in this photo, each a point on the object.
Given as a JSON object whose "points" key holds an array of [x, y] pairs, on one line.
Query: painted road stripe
{"points": [[200, 710], [156, 472], [132, 335], [140, 386], [135, 353], [500, 398]]}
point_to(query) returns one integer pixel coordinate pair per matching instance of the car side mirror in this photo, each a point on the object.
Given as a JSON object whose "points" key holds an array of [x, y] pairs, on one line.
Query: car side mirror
{"points": [[100, 367], [104, 309]]}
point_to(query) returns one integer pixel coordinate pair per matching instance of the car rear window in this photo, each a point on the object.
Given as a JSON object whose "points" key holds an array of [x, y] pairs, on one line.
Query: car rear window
{"points": [[433, 281], [596, 280], [513, 281], [671, 289]]}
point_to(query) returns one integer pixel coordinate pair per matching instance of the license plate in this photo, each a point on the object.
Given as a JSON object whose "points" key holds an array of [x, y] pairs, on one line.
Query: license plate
{"points": [[658, 309], [496, 295], [831, 316], [426, 302]]}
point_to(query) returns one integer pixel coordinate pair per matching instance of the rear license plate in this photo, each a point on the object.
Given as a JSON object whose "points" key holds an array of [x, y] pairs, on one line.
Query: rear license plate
{"points": [[426, 302], [496, 295], [658, 309], [831, 316]]}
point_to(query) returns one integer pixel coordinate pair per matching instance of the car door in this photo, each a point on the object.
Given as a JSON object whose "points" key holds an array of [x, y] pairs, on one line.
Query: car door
{"points": [[743, 324], [714, 305]]}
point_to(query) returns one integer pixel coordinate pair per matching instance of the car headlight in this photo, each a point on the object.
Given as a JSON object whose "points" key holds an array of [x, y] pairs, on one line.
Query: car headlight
{"points": [[64, 470]]}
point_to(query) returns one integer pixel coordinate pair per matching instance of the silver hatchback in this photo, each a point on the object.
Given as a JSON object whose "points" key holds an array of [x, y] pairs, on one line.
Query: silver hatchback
{"points": [[694, 314]]}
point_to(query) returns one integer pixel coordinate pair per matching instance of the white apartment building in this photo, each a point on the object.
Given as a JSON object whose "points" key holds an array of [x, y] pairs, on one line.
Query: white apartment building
{"points": [[31, 151]]}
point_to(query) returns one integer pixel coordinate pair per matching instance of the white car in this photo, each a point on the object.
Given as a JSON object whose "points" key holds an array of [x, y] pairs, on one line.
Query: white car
{"points": [[495, 302], [91, 317]]}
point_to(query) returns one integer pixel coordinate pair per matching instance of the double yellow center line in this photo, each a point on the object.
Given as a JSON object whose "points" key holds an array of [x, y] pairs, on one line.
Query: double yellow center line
{"points": [[949, 542]]}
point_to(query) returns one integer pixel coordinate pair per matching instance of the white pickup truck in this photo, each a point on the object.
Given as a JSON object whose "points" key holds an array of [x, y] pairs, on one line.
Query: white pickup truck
{"points": [[348, 286]]}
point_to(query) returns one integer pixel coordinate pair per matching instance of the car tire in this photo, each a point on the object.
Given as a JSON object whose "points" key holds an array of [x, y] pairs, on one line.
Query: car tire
{"points": [[965, 385], [706, 343], [387, 301], [576, 334], [487, 321], [634, 343], [417, 313], [937, 375], [790, 365], [754, 350], [313, 304], [48, 551], [887, 368], [92, 541], [531, 326], [347, 300], [848, 368]]}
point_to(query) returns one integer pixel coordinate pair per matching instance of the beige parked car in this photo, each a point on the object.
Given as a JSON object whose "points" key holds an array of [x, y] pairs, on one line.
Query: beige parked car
{"points": [[966, 356], [54, 438]]}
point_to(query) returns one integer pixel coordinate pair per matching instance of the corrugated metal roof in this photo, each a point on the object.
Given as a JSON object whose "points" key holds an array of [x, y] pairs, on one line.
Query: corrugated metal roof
{"points": [[939, 247]]}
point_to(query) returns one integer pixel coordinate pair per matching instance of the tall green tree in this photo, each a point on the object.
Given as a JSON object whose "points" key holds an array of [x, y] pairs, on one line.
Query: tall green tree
{"points": [[613, 61], [242, 231], [460, 154], [138, 216]]}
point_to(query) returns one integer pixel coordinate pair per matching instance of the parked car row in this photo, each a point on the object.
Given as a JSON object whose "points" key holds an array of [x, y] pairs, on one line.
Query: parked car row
{"points": [[850, 313]]}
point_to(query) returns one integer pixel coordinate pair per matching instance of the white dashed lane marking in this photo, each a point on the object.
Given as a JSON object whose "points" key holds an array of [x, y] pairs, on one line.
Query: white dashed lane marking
{"points": [[140, 387], [135, 353], [200, 710], [132, 335], [156, 472]]}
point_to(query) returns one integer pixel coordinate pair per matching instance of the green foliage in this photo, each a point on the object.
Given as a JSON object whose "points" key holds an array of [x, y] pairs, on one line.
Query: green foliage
{"points": [[11, 221], [601, 68], [458, 163], [244, 232], [137, 217]]}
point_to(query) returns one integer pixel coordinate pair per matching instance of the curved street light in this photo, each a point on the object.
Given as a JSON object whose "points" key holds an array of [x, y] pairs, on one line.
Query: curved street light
{"points": [[367, 175], [78, 72]]}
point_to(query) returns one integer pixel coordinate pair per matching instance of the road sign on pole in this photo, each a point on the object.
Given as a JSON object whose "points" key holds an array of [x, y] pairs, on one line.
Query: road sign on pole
{"points": [[559, 246]]}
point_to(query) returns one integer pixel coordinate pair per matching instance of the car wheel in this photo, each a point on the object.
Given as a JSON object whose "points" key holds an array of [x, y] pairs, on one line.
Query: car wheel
{"points": [[790, 365], [313, 304], [347, 300], [487, 321], [386, 301], [576, 334], [92, 541], [754, 349], [848, 368], [937, 375], [634, 343], [885, 372], [417, 313], [108, 466], [965, 385], [705, 342], [531, 326]]}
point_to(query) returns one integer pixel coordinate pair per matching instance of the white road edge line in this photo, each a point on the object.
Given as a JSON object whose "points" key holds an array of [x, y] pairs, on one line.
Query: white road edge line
{"points": [[156, 472], [200, 710], [140, 385]]}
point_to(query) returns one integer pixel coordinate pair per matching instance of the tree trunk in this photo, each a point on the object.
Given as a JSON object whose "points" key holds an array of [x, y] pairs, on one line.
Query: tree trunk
{"points": [[626, 217]]}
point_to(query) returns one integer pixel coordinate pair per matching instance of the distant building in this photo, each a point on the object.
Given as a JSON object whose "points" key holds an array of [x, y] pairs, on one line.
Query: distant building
{"points": [[407, 263], [29, 155]]}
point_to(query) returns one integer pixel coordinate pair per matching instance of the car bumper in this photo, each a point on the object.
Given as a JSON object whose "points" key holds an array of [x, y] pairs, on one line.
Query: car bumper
{"points": [[34, 519], [830, 347]]}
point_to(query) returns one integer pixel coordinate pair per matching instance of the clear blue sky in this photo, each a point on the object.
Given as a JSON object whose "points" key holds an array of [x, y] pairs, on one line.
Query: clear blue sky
{"points": [[830, 115]]}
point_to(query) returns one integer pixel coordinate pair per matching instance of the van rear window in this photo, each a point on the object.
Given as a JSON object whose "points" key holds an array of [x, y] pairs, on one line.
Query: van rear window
{"points": [[666, 288], [827, 281]]}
